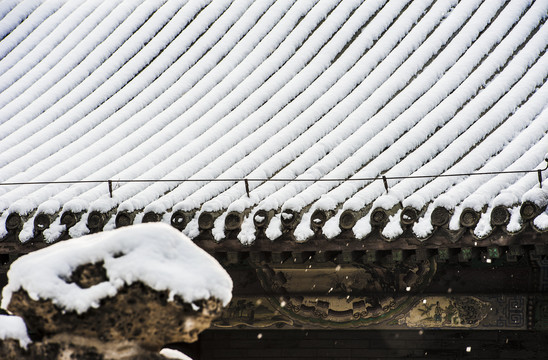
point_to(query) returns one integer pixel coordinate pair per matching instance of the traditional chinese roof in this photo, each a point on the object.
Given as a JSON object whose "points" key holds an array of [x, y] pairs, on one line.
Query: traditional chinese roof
{"points": [[246, 120]]}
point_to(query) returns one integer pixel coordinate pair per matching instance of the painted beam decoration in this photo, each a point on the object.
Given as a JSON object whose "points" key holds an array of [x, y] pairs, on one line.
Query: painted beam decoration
{"points": [[427, 312], [327, 295]]}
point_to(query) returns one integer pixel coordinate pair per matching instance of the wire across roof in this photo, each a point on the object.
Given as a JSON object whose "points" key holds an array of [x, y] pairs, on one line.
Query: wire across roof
{"points": [[175, 103]]}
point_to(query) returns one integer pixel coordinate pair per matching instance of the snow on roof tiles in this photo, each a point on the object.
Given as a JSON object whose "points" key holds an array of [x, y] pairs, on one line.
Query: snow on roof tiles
{"points": [[312, 101]]}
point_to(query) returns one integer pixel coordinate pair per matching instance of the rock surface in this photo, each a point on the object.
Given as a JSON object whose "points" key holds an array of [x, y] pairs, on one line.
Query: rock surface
{"points": [[137, 313], [67, 346], [122, 295]]}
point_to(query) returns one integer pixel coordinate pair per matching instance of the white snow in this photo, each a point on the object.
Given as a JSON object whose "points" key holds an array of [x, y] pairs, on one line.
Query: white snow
{"points": [[484, 228], [539, 196], [219, 227], [54, 231], [541, 221], [515, 224], [14, 328], [155, 254], [274, 229], [303, 230], [174, 354], [393, 229], [423, 227], [247, 229], [3, 218], [331, 227], [363, 226], [15, 15]]}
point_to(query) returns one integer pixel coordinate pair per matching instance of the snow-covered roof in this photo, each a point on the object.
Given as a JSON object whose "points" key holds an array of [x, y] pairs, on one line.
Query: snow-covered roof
{"points": [[310, 101], [154, 254]]}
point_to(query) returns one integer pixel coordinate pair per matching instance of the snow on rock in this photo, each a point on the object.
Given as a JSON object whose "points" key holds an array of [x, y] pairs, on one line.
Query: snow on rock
{"points": [[174, 354], [154, 254], [14, 328]]}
